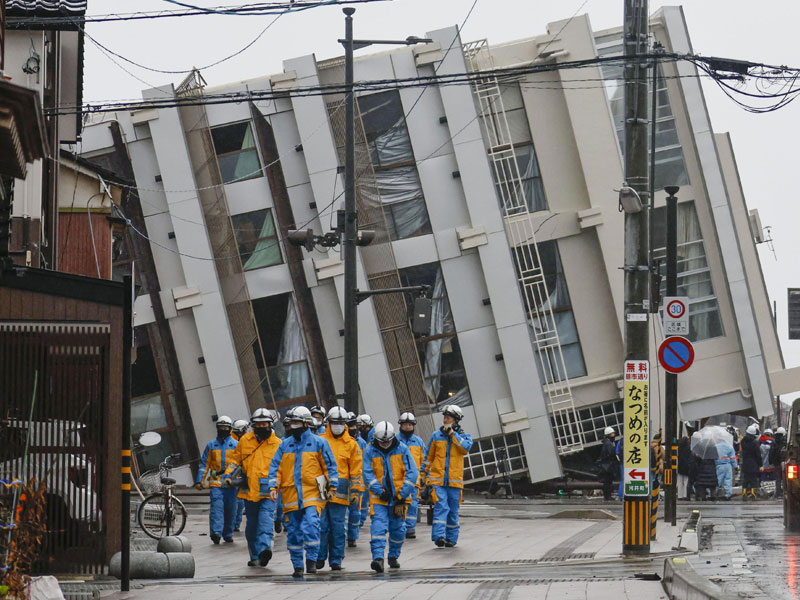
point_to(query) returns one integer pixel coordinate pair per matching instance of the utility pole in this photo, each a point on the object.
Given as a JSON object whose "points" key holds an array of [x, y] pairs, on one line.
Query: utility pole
{"points": [[671, 379], [636, 523], [125, 512], [350, 226]]}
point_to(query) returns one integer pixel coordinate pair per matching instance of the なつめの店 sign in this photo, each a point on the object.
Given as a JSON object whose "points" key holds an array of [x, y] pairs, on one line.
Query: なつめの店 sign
{"points": [[636, 447]]}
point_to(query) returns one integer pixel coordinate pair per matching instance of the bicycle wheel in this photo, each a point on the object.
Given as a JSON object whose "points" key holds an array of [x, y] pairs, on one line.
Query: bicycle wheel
{"points": [[153, 516]]}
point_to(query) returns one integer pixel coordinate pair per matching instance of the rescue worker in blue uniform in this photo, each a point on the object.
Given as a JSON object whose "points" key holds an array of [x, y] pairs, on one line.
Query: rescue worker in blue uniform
{"points": [[354, 510], [240, 427], [222, 509], [318, 416], [249, 463], [444, 472], [366, 430], [348, 457], [302, 469], [418, 450], [391, 475]]}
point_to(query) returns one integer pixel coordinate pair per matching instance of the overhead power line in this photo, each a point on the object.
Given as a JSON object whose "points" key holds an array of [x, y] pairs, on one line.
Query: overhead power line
{"points": [[252, 9], [505, 74]]}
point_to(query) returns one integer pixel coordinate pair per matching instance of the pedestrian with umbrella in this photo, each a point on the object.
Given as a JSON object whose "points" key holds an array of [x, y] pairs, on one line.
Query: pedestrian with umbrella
{"points": [[712, 446]]}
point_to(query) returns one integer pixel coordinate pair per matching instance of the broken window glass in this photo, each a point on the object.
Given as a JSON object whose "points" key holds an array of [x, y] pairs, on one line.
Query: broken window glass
{"points": [[257, 239], [236, 152]]}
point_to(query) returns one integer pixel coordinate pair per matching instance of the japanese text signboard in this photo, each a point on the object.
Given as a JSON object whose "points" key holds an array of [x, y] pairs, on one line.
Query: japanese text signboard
{"points": [[636, 447]]}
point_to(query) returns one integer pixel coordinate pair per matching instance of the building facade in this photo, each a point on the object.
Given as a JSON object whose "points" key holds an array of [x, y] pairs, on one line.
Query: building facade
{"points": [[499, 195]]}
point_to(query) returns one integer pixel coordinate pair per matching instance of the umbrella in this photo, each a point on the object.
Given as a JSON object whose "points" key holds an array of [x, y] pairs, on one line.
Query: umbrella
{"points": [[706, 441]]}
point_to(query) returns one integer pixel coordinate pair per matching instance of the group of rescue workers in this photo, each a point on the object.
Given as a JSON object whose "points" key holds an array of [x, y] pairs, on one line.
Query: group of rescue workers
{"points": [[325, 477]]}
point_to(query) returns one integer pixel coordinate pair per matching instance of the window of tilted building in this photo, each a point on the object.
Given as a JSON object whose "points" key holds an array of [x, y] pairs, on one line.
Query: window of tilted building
{"points": [[694, 274], [236, 152], [670, 166], [257, 239], [439, 352], [521, 188], [152, 408], [395, 169], [558, 301], [286, 379]]}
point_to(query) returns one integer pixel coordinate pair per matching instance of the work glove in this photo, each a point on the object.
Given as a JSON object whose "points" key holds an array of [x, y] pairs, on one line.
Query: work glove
{"points": [[355, 497], [227, 482], [399, 509], [385, 496], [447, 430], [198, 486]]}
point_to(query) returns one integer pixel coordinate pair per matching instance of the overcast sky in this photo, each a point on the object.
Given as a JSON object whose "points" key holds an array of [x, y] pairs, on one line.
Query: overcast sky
{"points": [[728, 28]]}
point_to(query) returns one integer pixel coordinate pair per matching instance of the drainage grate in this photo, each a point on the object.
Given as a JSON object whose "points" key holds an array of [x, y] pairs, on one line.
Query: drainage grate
{"points": [[530, 561]]}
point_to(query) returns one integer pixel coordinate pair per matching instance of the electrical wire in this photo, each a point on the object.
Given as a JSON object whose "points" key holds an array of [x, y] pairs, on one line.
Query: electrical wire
{"points": [[258, 9], [503, 74]]}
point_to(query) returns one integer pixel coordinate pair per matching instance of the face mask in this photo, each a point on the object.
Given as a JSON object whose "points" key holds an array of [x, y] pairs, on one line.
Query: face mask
{"points": [[262, 433], [223, 433], [337, 429], [317, 422], [297, 432]]}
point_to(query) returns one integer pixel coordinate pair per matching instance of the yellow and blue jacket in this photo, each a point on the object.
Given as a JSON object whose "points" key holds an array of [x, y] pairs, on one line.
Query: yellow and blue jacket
{"points": [[254, 458], [348, 457], [215, 460], [295, 468], [362, 445], [445, 463], [392, 470], [417, 448]]}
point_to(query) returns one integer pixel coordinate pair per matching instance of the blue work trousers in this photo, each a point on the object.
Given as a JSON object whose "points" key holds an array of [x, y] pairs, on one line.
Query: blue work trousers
{"points": [[258, 530], [413, 511], [725, 478], [237, 521], [222, 511], [353, 520], [383, 521], [364, 507], [445, 513], [279, 516], [302, 533], [332, 533]]}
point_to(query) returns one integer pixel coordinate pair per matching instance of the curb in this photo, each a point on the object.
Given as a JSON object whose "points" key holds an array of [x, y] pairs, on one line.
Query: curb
{"points": [[681, 582]]}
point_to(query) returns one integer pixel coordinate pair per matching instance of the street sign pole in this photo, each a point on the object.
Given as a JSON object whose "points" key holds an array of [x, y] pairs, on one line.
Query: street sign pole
{"points": [[636, 457], [671, 379]]}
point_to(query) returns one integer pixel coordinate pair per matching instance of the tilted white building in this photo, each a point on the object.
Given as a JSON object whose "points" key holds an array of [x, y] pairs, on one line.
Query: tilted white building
{"points": [[498, 195]]}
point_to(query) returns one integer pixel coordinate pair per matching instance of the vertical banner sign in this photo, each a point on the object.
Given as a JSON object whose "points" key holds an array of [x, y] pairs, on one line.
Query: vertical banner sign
{"points": [[636, 460]]}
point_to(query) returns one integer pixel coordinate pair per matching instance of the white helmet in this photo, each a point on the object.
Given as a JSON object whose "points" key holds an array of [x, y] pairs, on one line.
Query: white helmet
{"points": [[454, 411], [224, 421], [384, 432], [609, 431], [768, 431], [300, 413], [364, 420], [780, 430], [317, 410], [407, 417], [262, 415], [240, 425], [752, 430], [337, 415]]}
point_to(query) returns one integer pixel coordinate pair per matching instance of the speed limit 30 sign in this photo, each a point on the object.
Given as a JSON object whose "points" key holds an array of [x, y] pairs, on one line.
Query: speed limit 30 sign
{"points": [[676, 315]]}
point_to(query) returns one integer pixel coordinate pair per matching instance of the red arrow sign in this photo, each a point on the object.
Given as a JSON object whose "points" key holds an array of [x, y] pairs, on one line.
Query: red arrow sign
{"points": [[637, 474]]}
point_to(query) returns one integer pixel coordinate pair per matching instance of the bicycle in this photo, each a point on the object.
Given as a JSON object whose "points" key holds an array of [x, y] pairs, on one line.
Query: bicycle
{"points": [[161, 514]]}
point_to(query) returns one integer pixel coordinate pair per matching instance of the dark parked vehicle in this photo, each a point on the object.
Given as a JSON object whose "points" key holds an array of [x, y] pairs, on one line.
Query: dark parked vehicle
{"points": [[791, 472]]}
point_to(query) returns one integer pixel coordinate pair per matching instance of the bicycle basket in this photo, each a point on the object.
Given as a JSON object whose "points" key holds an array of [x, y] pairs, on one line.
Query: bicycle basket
{"points": [[150, 482]]}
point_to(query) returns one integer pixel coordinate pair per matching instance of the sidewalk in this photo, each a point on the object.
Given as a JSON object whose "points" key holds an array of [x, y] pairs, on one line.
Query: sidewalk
{"points": [[517, 555]]}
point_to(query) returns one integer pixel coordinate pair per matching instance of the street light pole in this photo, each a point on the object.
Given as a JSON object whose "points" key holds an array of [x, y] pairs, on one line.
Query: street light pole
{"points": [[350, 226], [671, 379]]}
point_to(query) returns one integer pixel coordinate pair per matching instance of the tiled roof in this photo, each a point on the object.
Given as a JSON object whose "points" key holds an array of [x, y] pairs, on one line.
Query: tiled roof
{"points": [[45, 7]]}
